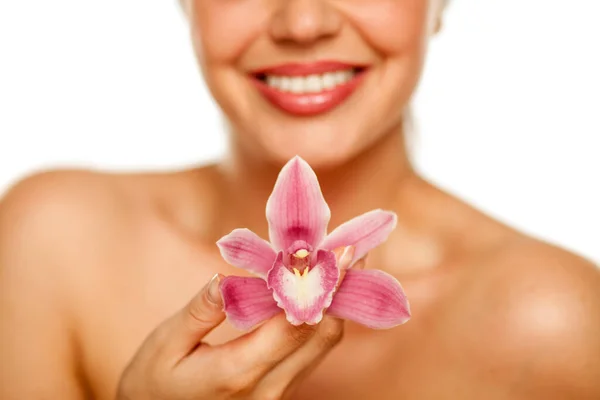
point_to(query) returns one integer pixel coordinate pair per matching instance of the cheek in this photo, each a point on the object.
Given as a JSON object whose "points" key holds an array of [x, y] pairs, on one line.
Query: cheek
{"points": [[223, 29], [391, 27]]}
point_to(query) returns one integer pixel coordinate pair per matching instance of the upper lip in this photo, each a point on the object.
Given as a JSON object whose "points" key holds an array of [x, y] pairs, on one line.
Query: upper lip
{"points": [[304, 69]]}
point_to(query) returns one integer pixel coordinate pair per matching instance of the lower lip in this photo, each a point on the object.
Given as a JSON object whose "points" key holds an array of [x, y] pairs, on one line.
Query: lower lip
{"points": [[309, 104]]}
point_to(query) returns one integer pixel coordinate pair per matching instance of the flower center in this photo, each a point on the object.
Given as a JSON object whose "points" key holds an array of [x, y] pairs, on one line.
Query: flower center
{"points": [[301, 253], [300, 262], [301, 274]]}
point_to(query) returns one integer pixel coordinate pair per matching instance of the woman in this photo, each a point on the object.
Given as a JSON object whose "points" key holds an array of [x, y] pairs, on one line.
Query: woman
{"points": [[98, 269]]}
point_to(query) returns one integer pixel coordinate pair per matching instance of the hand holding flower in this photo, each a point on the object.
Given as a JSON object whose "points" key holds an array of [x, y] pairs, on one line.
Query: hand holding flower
{"points": [[297, 271], [267, 363]]}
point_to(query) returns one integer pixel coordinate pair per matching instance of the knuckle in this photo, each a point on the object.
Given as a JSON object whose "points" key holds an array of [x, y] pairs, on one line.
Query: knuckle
{"points": [[239, 384], [197, 313], [225, 367], [137, 382], [331, 332], [235, 380], [300, 334], [153, 346], [158, 336]]}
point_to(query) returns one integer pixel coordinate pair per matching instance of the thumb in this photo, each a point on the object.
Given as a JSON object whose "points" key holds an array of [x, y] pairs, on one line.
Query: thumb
{"points": [[200, 316]]}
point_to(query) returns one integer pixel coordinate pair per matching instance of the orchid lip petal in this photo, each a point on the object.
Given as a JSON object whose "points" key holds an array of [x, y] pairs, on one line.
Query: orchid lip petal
{"points": [[364, 232], [372, 298], [296, 209], [243, 249], [304, 294], [247, 301]]}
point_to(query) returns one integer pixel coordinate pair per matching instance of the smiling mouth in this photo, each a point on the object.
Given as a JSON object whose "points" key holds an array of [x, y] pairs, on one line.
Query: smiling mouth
{"points": [[308, 89], [312, 83]]}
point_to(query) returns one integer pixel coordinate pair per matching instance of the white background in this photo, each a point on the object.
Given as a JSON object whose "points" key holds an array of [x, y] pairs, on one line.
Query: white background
{"points": [[508, 111]]}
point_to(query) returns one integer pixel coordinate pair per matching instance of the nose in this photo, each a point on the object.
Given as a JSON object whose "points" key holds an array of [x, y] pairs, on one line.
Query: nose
{"points": [[304, 21]]}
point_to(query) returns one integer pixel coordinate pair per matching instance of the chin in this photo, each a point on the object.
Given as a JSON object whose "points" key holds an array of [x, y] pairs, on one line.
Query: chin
{"points": [[323, 147], [316, 157]]}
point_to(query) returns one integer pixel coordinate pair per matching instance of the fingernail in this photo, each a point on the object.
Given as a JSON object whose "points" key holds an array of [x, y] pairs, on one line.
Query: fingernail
{"points": [[214, 294], [346, 257]]}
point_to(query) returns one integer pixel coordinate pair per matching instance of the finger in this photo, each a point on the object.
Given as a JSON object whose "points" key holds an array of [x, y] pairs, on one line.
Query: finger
{"points": [[267, 346], [292, 370], [185, 330], [287, 374], [256, 353], [344, 256]]}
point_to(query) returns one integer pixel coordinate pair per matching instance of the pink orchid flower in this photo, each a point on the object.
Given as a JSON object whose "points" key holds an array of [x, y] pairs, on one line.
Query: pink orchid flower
{"points": [[298, 272]]}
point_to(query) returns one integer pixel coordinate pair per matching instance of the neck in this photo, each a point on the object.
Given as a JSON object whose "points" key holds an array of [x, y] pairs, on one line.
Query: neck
{"points": [[370, 180]]}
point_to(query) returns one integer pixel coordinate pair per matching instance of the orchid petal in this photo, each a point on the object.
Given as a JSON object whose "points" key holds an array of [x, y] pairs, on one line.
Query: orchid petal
{"points": [[296, 209], [247, 301], [364, 232], [372, 298], [244, 249], [304, 294]]}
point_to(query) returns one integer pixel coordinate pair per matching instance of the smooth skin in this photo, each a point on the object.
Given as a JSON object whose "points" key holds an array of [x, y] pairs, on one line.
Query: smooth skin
{"points": [[97, 270]]}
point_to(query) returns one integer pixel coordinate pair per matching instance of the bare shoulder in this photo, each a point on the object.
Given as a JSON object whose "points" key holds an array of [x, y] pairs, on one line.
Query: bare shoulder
{"points": [[74, 215], [47, 210], [62, 224], [50, 223], [54, 226], [524, 312], [542, 317], [67, 236], [43, 210]]}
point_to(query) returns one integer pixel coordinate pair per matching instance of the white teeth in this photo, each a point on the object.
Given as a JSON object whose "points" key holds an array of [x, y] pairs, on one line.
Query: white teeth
{"points": [[314, 84], [273, 81], [297, 85], [311, 83], [339, 77], [329, 81], [285, 84]]}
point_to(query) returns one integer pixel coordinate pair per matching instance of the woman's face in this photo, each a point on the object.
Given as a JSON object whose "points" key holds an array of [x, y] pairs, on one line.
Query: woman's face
{"points": [[324, 79]]}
